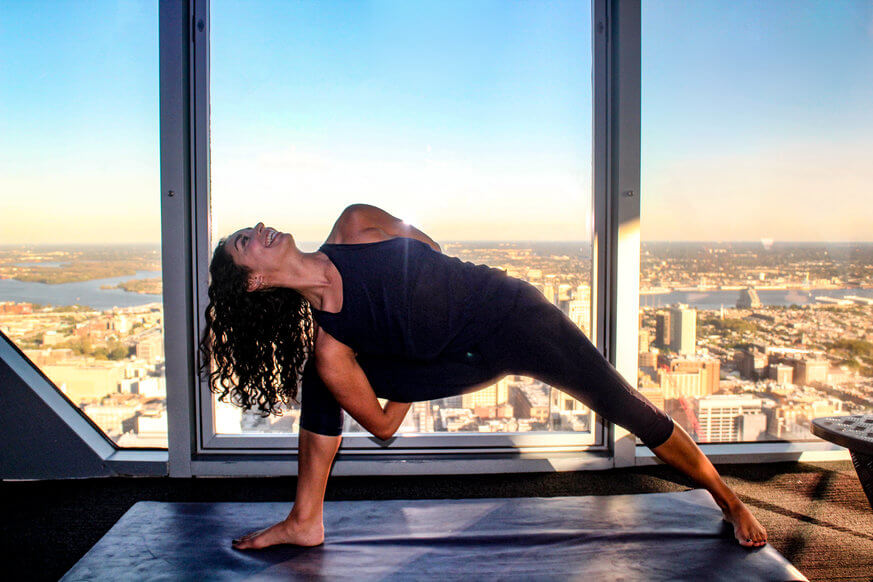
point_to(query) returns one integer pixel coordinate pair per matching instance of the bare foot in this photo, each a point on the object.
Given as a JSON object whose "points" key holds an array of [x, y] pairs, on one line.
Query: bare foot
{"points": [[747, 530], [284, 532]]}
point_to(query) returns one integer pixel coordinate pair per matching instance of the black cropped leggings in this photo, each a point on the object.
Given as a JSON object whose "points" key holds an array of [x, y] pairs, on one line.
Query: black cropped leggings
{"points": [[536, 340]]}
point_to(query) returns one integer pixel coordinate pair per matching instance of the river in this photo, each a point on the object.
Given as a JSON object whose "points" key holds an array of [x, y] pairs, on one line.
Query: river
{"points": [[89, 293], [86, 293], [728, 299]]}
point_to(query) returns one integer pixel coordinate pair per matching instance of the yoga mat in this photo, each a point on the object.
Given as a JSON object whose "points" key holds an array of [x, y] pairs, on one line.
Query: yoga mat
{"points": [[653, 536]]}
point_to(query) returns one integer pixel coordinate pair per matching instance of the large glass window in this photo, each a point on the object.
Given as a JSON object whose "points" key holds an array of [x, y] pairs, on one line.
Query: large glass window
{"points": [[80, 260], [469, 120], [756, 283]]}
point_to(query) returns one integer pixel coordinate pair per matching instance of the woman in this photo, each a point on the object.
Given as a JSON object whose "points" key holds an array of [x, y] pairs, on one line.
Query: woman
{"points": [[392, 317]]}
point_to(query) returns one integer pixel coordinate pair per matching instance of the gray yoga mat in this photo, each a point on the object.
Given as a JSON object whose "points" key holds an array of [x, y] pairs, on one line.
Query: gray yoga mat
{"points": [[653, 536]]}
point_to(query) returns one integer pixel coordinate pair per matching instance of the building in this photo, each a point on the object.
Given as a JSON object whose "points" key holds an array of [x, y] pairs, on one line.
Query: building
{"points": [[808, 367], [643, 341], [683, 329], [502, 411], [654, 393], [751, 363], [684, 377], [680, 384], [519, 401], [811, 370], [722, 418], [782, 373], [151, 347], [551, 293], [580, 314], [662, 330], [89, 379], [423, 417]]}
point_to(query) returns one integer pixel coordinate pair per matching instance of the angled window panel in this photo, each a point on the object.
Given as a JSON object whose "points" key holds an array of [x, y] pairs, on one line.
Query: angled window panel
{"points": [[46, 436], [48, 393]]}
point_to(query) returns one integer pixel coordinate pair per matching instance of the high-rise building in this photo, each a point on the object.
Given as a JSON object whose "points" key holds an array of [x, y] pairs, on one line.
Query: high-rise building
{"points": [[662, 330], [683, 329], [643, 344], [681, 377], [680, 384], [722, 418]]}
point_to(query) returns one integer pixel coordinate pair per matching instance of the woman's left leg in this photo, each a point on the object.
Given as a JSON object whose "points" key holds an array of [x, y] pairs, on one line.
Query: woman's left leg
{"points": [[682, 453], [538, 340]]}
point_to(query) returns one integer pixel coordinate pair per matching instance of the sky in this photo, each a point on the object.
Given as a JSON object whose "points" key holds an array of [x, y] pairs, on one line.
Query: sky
{"points": [[470, 120]]}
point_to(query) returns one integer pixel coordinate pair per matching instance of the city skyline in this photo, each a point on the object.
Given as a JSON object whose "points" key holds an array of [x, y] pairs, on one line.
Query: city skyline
{"points": [[747, 134], [729, 363], [765, 243]]}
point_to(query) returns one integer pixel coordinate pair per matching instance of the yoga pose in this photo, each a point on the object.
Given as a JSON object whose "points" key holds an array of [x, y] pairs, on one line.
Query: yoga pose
{"points": [[384, 314]]}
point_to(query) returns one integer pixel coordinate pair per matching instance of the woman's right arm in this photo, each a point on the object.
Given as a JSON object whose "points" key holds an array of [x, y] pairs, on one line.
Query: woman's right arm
{"points": [[346, 382]]}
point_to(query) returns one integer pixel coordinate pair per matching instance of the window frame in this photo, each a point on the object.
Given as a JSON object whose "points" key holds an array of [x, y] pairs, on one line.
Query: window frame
{"points": [[353, 443], [194, 448]]}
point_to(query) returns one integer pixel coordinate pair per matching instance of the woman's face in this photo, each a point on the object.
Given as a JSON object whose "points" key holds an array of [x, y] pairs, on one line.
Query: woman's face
{"points": [[262, 250]]}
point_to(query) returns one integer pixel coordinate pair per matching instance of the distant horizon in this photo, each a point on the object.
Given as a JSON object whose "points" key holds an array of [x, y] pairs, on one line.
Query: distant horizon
{"points": [[64, 246]]}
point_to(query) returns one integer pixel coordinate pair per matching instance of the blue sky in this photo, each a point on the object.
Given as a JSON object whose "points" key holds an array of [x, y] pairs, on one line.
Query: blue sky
{"points": [[469, 119]]}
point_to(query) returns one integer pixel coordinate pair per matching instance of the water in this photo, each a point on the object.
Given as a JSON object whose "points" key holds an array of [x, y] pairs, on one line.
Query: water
{"points": [[45, 264], [89, 293], [86, 293], [728, 299]]}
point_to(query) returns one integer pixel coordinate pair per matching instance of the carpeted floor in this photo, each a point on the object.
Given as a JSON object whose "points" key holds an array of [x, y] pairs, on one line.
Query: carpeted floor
{"points": [[816, 514]]}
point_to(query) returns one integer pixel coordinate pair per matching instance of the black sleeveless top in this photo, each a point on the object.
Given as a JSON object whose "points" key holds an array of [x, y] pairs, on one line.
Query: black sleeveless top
{"points": [[402, 298]]}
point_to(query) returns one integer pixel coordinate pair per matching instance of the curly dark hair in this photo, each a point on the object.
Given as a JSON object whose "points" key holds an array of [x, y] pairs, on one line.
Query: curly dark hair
{"points": [[255, 343]]}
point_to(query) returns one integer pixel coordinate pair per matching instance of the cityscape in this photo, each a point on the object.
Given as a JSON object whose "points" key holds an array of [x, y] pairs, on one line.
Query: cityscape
{"points": [[739, 341]]}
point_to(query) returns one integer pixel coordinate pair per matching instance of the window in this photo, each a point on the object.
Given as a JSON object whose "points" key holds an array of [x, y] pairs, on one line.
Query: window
{"points": [[470, 121], [756, 283], [80, 257]]}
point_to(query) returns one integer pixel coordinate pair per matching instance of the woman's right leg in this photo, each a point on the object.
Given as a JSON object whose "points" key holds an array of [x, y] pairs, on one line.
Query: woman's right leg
{"points": [[304, 525]]}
